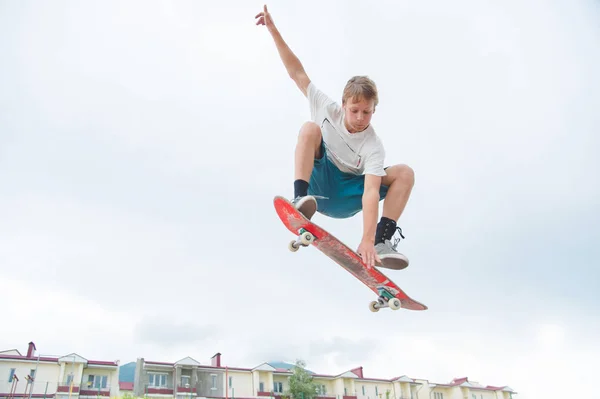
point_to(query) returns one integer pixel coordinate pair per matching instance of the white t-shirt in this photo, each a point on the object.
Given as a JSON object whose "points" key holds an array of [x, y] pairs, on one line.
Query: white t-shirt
{"points": [[356, 153]]}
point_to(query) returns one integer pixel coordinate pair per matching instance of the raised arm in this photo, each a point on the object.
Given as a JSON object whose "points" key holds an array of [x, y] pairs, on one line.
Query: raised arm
{"points": [[290, 61]]}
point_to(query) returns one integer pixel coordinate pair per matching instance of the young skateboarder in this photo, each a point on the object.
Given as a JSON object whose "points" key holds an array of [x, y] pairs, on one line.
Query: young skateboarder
{"points": [[339, 161]]}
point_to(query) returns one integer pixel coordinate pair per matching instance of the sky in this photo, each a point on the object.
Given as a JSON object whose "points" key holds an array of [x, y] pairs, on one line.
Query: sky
{"points": [[142, 143]]}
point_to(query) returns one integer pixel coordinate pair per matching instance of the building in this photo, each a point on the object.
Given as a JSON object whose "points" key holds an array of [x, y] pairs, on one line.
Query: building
{"points": [[189, 379], [62, 377]]}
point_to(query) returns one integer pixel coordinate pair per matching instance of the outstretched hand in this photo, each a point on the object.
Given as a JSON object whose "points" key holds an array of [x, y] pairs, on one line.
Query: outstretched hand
{"points": [[264, 18], [368, 254]]}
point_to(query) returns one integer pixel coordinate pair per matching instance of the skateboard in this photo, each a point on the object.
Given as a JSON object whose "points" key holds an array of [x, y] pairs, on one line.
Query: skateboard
{"points": [[308, 233]]}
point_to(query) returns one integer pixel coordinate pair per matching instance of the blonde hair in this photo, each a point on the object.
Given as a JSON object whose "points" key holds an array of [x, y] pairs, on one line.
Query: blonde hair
{"points": [[360, 87]]}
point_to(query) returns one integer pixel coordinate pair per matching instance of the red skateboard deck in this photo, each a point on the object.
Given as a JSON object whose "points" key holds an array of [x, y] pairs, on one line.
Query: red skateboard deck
{"points": [[308, 233]]}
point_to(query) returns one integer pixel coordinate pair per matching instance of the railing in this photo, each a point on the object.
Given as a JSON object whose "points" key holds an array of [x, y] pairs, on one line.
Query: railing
{"points": [[278, 395], [186, 389], [159, 390], [21, 388], [90, 390], [64, 387]]}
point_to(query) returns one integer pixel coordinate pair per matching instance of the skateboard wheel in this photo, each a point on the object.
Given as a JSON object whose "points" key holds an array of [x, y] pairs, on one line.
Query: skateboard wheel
{"points": [[306, 238], [395, 303], [292, 246], [374, 306]]}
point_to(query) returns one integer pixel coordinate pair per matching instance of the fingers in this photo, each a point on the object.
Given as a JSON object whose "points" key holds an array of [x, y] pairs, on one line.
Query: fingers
{"points": [[368, 258], [368, 255], [263, 13], [262, 16]]}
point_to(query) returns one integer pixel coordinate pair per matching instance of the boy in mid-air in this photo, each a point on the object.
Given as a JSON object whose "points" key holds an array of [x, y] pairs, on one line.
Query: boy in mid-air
{"points": [[339, 157]]}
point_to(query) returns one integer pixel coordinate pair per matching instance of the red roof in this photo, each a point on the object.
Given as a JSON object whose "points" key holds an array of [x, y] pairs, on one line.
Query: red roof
{"points": [[33, 358], [102, 363], [55, 360], [458, 381]]}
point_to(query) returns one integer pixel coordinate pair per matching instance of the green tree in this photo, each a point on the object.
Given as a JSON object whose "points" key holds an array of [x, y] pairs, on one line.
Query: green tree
{"points": [[301, 382]]}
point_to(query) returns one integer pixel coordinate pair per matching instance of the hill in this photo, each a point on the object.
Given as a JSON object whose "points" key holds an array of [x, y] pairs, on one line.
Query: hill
{"points": [[127, 372], [285, 365]]}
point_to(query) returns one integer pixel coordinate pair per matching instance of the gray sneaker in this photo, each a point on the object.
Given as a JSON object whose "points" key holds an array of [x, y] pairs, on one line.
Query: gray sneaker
{"points": [[390, 258], [306, 205]]}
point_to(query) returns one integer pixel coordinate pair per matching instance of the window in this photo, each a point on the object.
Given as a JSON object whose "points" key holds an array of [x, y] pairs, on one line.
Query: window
{"points": [[278, 387], [363, 389], [32, 373], [230, 382], [214, 381], [156, 380], [97, 381], [69, 379], [376, 391], [438, 395], [261, 387], [321, 390], [185, 380]]}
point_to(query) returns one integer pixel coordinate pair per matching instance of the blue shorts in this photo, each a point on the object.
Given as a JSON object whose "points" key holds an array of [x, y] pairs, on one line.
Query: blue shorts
{"points": [[343, 190]]}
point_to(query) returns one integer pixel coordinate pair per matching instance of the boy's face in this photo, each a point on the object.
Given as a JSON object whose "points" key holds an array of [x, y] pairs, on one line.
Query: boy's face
{"points": [[358, 114]]}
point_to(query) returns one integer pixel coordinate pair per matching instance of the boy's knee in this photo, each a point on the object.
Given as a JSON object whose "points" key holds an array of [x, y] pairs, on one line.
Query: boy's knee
{"points": [[403, 173], [310, 131]]}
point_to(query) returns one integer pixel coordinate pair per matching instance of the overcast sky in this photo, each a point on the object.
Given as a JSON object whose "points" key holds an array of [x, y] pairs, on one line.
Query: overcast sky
{"points": [[133, 134]]}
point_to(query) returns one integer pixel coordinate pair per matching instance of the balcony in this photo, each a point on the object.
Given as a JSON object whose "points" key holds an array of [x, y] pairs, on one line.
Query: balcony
{"points": [[270, 394], [64, 387], [278, 395], [186, 389], [159, 389], [92, 391]]}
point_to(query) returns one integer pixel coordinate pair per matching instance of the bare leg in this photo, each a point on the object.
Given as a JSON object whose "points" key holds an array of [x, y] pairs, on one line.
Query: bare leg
{"points": [[307, 149], [400, 179]]}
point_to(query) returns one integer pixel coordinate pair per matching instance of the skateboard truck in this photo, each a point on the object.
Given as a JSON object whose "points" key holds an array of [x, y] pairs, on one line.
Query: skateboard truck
{"points": [[304, 239], [385, 300]]}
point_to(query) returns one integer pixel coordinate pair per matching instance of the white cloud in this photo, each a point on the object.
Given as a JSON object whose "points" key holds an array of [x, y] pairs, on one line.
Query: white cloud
{"points": [[132, 136], [60, 322], [551, 336]]}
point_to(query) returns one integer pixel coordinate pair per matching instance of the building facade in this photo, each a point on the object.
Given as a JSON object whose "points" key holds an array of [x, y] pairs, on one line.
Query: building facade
{"points": [[189, 379], [184, 379], [74, 377], [65, 377]]}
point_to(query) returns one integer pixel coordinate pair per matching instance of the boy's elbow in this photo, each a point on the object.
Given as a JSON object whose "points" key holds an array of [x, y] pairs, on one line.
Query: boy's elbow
{"points": [[301, 80]]}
